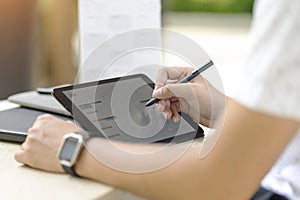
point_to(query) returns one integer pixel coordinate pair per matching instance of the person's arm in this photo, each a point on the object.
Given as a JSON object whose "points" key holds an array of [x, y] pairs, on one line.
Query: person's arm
{"points": [[249, 144]]}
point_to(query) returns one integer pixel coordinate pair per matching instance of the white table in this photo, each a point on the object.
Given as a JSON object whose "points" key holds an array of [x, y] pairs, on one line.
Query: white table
{"points": [[21, 182]]}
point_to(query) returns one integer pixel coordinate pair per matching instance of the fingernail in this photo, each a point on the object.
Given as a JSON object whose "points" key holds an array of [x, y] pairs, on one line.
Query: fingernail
{"points": [[176, 119], [165, 115], [158, 85], [168, 115], [157, 92]]}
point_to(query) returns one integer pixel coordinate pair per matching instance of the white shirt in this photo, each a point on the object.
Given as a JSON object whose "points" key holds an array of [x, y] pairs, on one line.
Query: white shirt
{"points": [[271, 82]]}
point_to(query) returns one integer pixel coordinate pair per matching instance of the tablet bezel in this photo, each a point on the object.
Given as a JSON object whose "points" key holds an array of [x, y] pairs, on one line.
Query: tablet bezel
{"points": [[86, 124]]}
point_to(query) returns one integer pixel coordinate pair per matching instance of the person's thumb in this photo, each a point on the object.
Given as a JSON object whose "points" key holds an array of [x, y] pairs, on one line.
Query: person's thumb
{"points": [[173, 90]]}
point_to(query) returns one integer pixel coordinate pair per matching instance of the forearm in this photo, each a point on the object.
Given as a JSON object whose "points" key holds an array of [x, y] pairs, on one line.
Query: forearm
{"points": [[242, 147], [188, 178], [176, 181]]}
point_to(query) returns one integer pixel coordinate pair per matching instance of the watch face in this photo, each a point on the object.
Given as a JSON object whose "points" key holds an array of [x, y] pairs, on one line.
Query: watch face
{"points": [[68, 149]]}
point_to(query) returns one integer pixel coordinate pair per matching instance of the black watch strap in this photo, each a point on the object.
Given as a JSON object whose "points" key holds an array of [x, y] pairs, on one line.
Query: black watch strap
{"points": [[68, 163], [70, 170]]}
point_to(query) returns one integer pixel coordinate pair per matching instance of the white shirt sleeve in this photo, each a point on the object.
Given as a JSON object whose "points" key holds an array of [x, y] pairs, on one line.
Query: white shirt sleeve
{"points": [[271, 72]]}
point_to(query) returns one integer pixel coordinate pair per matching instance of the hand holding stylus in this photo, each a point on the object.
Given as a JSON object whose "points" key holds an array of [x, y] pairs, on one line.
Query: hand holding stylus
{"points": [[195, 97], [186, 79]]}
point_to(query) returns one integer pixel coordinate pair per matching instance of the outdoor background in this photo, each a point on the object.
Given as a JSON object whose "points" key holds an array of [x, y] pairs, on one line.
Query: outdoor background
{"points": [[220, 27], [39, 39]]}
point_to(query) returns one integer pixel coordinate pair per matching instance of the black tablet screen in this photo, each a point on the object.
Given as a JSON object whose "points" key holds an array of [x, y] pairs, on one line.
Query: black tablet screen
{"points": [[118, 110]]}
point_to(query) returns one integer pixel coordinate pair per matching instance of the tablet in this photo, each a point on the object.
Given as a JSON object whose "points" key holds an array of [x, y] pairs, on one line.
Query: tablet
{"points": [[15, 122], [115, 109]]}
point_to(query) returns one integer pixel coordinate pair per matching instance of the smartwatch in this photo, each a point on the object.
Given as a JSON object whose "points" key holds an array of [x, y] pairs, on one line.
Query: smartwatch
{"points": [[69, 152]]}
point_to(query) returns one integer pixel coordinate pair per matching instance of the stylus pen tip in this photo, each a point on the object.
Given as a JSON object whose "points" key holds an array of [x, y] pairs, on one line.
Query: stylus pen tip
{"points": [[151, 102]]}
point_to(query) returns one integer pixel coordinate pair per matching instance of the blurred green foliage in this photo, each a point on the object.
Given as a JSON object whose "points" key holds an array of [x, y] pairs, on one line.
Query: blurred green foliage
{"points": [[225, 6]]}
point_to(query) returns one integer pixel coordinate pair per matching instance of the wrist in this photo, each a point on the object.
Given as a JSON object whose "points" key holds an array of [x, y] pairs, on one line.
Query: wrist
{"points": [[86, 164], [81, 165], [70, 151]]}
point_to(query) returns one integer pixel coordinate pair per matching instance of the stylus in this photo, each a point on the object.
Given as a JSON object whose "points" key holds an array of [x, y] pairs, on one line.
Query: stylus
{"points": [[186, 79]]}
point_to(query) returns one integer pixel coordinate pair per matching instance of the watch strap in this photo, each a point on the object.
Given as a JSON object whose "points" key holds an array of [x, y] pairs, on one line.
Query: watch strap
{"points": [[70, 170]]}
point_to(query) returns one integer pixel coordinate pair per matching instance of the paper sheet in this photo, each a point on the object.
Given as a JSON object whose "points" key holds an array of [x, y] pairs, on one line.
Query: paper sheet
{"points": [[100, 20]]}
